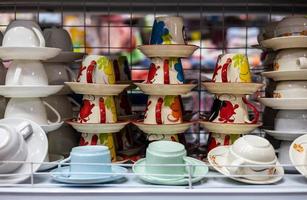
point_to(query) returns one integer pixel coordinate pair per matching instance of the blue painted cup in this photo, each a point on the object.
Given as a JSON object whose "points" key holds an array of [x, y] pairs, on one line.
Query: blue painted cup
{"points": [[89, 159]]}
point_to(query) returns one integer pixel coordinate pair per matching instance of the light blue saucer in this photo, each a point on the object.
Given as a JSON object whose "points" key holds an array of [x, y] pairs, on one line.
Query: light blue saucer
{"points": [[60, 175]]}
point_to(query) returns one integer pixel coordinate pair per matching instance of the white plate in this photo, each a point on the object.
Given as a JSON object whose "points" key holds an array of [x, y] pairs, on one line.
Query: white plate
{"points": [[165, 129], [285, 103], [97, 89], [37, 144], [284, 135], [28, 53], [51, 127], [297, 153], [66, 57], [286, 42], [232, 88], [217, 158], [29, 91], [229, 128], [53, 160], [286, 75], [168, 50], [97, 127], [165, 89]]}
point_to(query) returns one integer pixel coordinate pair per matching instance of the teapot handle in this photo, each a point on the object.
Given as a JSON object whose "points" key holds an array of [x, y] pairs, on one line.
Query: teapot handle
{"points": [[40, 37]]}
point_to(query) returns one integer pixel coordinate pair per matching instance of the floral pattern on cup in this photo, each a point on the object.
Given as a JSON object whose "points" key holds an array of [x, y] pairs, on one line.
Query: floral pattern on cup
{"points": [[165, 71], [217, 139], [97, 109]]}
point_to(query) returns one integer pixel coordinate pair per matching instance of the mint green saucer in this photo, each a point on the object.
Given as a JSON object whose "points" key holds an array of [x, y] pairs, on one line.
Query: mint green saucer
{"points": [[200, 171]]}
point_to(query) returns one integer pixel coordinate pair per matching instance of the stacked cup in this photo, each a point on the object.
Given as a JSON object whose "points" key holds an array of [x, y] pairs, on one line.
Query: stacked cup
{"points": [[290, 71], [165, 82]]}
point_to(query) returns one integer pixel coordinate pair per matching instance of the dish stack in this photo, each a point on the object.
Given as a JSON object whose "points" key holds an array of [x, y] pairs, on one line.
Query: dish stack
{"points": [[97, 118], [165, 82], [289, 39], [229, 118]]}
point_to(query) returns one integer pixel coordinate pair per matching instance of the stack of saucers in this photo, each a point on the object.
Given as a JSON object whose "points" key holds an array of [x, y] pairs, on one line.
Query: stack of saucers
{"points": [[97, 119], [231, 82], [165, 82]]}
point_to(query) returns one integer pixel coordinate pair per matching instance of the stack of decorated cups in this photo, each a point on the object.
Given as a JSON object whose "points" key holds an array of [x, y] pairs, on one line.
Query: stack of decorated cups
{"points": [[290, 72], [229, 118], [97, 119], [165, 83]]}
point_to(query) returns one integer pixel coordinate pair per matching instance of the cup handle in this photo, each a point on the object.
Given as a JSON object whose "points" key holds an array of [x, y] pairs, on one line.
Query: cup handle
{"points": [[254, 109], [64, 161], [71, 73], [235, 166], [40, 37], [25, 129], [302, 62], [189, 166], [54, 111]]}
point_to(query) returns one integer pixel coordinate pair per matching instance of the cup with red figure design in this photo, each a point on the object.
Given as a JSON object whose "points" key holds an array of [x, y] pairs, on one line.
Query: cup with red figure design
{"points": [[229, 108], [219, 139], [163, 110], [165, 71], [231, 68], [96, 69], [97, 109]]}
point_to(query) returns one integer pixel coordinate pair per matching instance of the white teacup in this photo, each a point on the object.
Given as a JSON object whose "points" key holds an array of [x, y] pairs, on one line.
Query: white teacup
{"points": [[33, 109], [58, 73], [26, 72], [23, 33], [58, 38], [247, 153], [292, 25], [291, 120], [291, 60], [291, 89], [13, 146]]}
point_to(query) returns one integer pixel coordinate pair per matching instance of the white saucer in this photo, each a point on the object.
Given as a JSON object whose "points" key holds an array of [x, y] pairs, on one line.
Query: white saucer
{"points": [[285, 42], [97, 127], [97, 89], [217, 158], [59, 174], [285, 103], [37, 144], [286, 75], [29, 91], [66, 57], [229, 128], [28, 53], [284, 135], [232, 88], [297, 155], [51, 127], [53, 160], [168, 50], [165, 129], [165, 89]]}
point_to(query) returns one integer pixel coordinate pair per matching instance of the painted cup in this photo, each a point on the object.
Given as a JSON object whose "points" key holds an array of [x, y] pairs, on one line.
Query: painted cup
{"points": [[292, 25], [121, 69], [231, 68], [218, 139], [97, 109], [165, 71], [291, 89], [58, 38], [163, 110], [168, 30], [232, 109], [290, 60]]}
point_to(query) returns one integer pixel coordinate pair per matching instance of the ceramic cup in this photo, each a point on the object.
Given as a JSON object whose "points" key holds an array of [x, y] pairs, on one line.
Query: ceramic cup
{"points": [[85, 161], [291, 120], [218, 139], [23, 33], [291, 60], [13, 146], [232, 109], [58, 38], [168, 30], [58, 73], [165, 71], [252, 150], [96, 69], [163, 110], [268, 31], [231, 68], [167, 153], [97, 109], [26, 72], [33, 109], [121, 69], [291, 89], [292, 25]]}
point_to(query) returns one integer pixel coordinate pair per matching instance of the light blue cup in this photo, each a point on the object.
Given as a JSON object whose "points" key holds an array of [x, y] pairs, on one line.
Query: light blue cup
{"points": [[89, 159]]}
